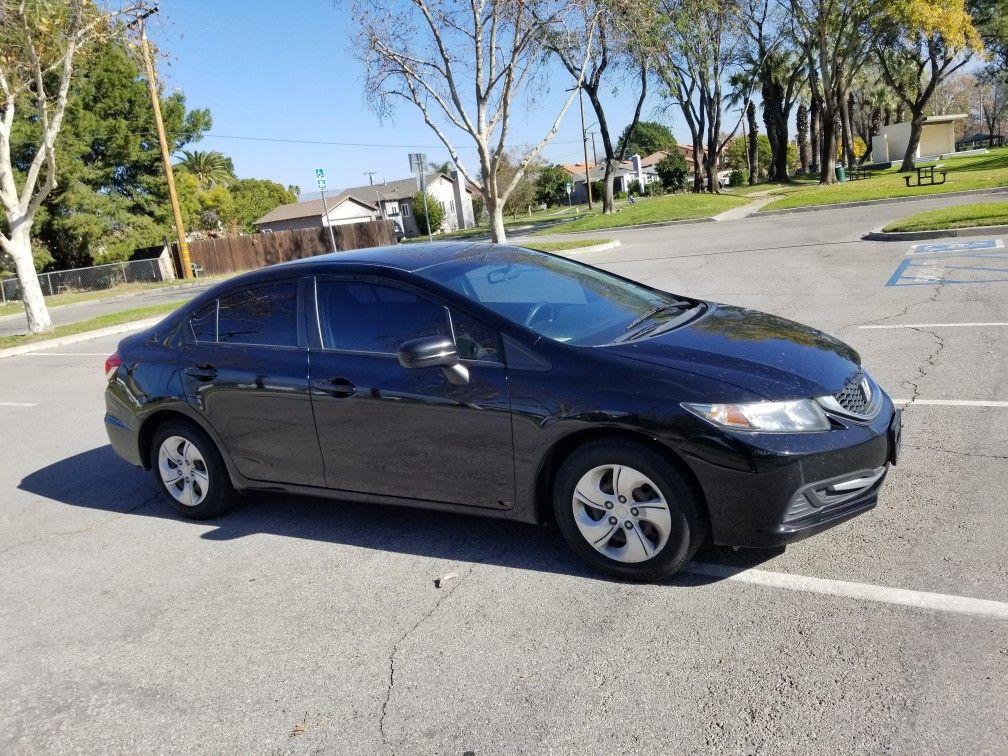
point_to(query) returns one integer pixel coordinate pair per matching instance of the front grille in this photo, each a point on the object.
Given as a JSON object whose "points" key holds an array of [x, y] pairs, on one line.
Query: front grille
{"points": [[825, 495], [856, 395]]}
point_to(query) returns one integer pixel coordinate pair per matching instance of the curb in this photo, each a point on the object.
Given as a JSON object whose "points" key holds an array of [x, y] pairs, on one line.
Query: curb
{"points": [[594, 248], [663, 224], [885, 201], [37, 346], [877, 234]]}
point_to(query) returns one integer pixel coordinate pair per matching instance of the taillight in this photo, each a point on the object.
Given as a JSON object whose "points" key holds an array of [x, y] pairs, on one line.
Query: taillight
{"points": [[111, 365]]}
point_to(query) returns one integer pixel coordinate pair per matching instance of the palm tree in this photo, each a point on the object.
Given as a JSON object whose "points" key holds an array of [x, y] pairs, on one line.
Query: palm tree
{"points": [[209, 168]]}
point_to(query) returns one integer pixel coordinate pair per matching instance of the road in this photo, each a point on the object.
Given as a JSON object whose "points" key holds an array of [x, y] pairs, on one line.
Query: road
{"points": [[11, 325], [294, 625]]}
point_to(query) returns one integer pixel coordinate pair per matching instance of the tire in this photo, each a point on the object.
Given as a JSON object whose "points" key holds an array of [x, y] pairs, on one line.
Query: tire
{"points": [[203, 488], [648, 542]]}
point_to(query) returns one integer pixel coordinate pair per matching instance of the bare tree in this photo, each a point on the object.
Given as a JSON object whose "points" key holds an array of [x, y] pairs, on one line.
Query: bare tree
{"points": [[704, 42], [464, 65], [39, 45], [626, 33]]}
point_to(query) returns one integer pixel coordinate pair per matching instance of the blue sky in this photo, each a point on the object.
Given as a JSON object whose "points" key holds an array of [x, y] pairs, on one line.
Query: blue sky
{"points": [[286, 71]]}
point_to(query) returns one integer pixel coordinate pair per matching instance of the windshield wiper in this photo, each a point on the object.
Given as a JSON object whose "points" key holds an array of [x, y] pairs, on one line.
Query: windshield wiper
{"points": [[686, 316], [656, 310]]}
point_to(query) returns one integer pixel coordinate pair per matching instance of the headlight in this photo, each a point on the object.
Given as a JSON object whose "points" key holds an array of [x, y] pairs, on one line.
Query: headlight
{"points": [[793, 416]]}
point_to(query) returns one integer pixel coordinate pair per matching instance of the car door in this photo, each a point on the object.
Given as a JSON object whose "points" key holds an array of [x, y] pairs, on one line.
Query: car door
{"points": [[394, 431], [244, 365]]}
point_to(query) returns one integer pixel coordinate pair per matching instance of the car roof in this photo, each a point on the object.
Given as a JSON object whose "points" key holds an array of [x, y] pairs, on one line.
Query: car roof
{"points": [[405, 257]]}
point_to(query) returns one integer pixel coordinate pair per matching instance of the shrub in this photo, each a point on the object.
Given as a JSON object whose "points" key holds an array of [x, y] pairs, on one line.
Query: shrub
{"points": [[433, 207], [672, 170], [737, 178], [634, 187]]}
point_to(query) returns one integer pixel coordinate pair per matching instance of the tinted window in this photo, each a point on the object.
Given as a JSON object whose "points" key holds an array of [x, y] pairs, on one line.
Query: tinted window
{"points": [[367, 317], [474, 339], [204, 323], [266, 315]]}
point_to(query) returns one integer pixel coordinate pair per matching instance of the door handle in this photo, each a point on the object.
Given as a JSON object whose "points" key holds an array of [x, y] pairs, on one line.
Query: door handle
{"points": [[338, 387], [202, 372]]}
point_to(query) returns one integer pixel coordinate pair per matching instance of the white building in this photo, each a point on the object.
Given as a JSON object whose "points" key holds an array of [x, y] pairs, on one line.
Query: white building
{"points": [[937, 139], [390, 200]]}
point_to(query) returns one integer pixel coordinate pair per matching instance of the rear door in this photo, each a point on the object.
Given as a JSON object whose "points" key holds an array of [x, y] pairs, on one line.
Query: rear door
{"points": [[244, 365], [402, 432]]}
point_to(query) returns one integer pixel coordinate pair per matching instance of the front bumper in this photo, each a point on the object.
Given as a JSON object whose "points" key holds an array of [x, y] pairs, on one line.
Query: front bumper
{"points": [[766, 490]]}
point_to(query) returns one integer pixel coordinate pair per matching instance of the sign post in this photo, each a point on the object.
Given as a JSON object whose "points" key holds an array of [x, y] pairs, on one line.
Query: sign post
{"points": [[320, 179], [418, 164]]}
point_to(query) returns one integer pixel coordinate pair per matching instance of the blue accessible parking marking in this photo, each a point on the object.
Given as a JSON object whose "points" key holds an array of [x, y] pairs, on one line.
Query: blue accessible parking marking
{"points": [[963, 246], [973, 262]]}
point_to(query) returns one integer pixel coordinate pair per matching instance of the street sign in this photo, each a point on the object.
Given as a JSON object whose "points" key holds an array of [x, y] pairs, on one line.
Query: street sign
{"points": [[418, 162], [320, 174], [321, 184]]}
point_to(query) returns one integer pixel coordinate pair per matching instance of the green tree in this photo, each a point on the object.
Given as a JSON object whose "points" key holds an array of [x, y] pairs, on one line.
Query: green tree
{"points": [[425, 224], [648, 137], [551, 184], [112, 196], [735, 157], [672, 170], [253, 198], [210, 168]]}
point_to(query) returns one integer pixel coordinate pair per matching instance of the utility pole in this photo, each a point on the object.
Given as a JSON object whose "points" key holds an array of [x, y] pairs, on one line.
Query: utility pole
{"points": [[585, 135], [163, 141], [370, 176]]}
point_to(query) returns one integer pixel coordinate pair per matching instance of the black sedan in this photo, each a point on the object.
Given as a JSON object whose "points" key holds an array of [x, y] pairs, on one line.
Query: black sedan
{"points": [[510, 383]]}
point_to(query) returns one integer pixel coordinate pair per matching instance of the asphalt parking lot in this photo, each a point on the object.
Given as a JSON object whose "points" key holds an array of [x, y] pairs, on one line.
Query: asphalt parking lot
{"points": [[299, 625]]}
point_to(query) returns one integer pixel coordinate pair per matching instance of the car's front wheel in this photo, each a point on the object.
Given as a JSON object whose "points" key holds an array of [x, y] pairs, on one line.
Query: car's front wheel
{"points": [[190, 470], [626, 510]]}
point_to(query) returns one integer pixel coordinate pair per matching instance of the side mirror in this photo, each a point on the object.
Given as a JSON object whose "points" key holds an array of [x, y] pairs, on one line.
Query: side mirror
{"points": [[434, 351]]}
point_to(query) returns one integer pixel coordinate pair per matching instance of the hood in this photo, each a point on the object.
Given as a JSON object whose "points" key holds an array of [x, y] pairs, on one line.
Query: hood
{"points": [[770, 356]]}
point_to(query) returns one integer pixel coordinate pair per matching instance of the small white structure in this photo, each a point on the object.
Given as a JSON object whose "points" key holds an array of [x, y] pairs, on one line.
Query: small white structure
{"points": [[937, 139]]}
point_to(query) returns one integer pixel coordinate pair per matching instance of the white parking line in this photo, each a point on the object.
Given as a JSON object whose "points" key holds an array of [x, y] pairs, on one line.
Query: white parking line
{"points": [[952, 402], [64, 354], [938, 325], [18, 404], [941, 602]]}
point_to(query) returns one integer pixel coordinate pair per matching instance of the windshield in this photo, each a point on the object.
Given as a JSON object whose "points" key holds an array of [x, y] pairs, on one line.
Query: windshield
{"points": [[558, 298]]}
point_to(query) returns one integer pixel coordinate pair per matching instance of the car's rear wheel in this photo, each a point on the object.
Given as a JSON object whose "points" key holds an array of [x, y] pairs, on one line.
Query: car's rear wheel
{"points": [[190, 470], [627, 510]]}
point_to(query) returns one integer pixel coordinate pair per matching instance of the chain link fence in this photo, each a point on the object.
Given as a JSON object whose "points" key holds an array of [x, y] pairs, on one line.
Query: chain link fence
{"points": [[95, 278]]}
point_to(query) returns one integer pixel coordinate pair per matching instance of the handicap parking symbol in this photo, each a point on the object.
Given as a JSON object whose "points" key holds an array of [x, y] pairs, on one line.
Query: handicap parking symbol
{"points": [[980, 261], [962, 246]]}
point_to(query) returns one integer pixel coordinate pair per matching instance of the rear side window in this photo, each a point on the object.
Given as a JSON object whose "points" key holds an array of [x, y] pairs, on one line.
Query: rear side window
{"points": [[361, 316], [265, 315]]}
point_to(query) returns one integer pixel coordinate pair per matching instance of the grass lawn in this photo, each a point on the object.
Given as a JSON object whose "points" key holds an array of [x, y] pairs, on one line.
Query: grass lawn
{"points": [[963, 216], [977, 172], [14, 306], [560, 246], [670, 207], [102, 321]]}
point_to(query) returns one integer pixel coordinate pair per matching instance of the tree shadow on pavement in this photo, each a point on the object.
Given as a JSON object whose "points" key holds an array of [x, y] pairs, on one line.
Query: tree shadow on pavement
{"points": [[98, 479]]}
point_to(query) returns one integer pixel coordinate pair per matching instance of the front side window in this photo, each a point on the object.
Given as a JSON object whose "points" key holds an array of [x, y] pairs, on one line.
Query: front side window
{"points": [[363, 316], [265, 315]]}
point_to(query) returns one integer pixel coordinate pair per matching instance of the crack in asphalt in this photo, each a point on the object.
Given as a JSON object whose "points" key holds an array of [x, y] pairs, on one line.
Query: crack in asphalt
{"points": [[145, 503], [923, 369], [930, 300], [416, 626], [958, 453]]}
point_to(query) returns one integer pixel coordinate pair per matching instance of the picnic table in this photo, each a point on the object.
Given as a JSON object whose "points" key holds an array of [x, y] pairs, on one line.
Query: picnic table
{"points": [[857, 173], [926, 175]]}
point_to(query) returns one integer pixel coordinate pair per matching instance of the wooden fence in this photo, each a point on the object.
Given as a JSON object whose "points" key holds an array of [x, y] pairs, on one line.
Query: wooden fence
{"points": [[237, 253]]}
